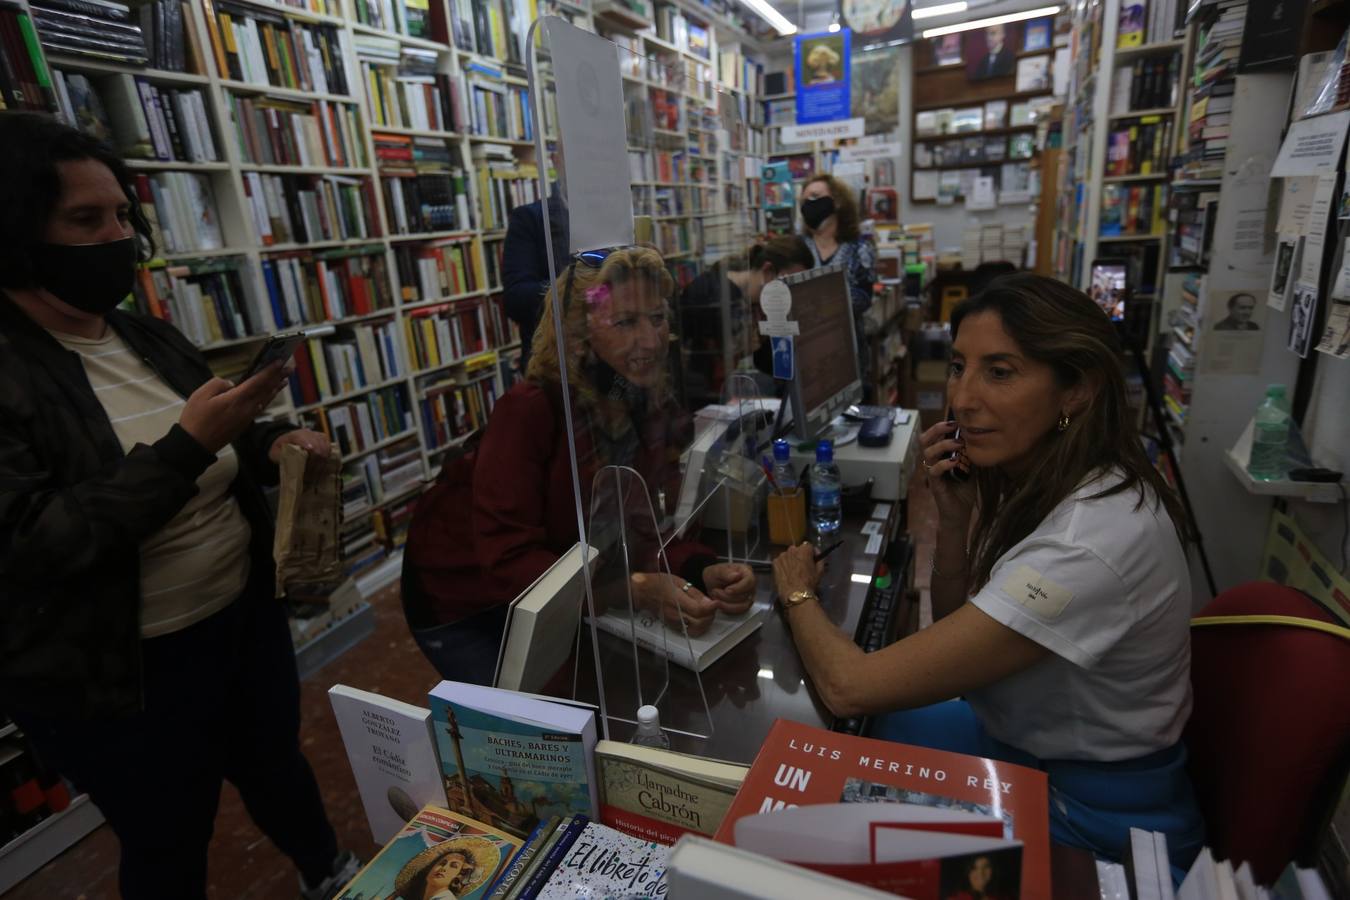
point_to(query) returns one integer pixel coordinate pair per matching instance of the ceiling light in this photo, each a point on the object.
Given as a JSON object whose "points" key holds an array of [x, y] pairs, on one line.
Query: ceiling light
{"points": [[992, 20], [771, 15], [943, 9]]}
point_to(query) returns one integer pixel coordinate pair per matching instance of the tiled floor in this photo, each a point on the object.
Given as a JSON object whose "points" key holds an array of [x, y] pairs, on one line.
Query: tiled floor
{"points": [[244, 864]]}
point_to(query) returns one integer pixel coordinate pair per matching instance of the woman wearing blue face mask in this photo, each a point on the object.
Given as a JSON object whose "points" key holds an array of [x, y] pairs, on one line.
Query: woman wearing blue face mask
{"points": [[830, 216], [143, 654]]}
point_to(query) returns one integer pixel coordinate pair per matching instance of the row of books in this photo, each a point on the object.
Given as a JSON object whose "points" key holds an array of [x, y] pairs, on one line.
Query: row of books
{"points": [[502, 186], [1139, 147], [141, 119], [95, 28], [1132, 209], [263, 48], [1146, 84], [657, 165], [440, 335], [181, 208], [364, 355], [294, 133], [438, 269], [207, 300], [170, 39], [375, 478], [424, 190], [306, 287], [491, 28], [360, 424], [304, 208], [1217, 49], [410, 17], [22, 70], [974, 149], [453, 409], [1148, 22], [405, 89], [1192, 214], [500, 110]]}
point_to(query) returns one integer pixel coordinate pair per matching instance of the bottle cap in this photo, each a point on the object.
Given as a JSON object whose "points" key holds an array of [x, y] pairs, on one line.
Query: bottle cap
{"points": [[825, 451], [648, 715], [782, 450], [1274, 390]]}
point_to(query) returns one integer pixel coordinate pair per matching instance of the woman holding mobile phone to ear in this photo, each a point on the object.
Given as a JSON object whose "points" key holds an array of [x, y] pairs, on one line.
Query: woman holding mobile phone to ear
{"points": [[1060, 586], [144, 655]]}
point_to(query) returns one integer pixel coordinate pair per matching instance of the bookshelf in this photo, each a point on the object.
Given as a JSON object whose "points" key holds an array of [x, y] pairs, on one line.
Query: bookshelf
{"points": [[354, 164], [1123, 120]]}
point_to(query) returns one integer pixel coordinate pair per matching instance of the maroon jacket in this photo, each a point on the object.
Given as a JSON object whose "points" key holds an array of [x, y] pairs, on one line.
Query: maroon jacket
{"points": [[500, 516]]}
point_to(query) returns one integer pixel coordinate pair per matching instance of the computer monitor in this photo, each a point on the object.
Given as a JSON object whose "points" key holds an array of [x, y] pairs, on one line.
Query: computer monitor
{"points": [[825, 371]]}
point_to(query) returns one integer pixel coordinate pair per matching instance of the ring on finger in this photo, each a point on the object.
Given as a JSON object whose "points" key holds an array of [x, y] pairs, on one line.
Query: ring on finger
{"points": [[686, 586]]}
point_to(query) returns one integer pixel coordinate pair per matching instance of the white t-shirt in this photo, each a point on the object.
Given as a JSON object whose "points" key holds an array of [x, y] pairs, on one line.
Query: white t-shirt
{"points": [[1107, 590]]}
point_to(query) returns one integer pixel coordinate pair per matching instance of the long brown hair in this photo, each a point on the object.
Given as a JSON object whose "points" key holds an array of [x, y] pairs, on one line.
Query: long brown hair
{"points": [[845, 207], [1059, 326], [781, 251]]}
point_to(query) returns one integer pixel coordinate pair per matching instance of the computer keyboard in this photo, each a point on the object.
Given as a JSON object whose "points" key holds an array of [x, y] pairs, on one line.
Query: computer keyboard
{"points": [[879, 622]]}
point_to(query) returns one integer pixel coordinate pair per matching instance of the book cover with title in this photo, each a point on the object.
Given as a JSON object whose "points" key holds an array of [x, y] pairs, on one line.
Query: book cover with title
{"points": [[799, 765]]}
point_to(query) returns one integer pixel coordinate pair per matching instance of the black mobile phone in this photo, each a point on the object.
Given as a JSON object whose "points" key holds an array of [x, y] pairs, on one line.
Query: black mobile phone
{"points": [[280, 346], [956, 474], [1108, 286]]}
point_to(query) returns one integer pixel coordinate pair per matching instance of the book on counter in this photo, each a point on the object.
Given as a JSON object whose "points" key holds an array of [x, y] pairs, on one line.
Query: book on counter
{"points": [[712, 871], [598, 861], [800, 765], [438, 850], [512, 759], [694, 652], [393, 757], [660, 795]]}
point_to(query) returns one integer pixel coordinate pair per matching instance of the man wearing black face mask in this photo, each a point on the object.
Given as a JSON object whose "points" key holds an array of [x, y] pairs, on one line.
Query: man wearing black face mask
{"points": [[143, 648]]}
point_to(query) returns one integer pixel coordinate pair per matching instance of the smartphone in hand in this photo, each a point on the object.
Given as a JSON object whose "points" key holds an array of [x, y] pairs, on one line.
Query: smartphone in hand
{"points": [[961, 473], [278, 347]]}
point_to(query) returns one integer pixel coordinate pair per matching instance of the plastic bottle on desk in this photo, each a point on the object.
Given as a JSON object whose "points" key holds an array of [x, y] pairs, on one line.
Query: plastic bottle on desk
{"points": [[649, 733], [826, 502], [1270, 434], [783, 476]]}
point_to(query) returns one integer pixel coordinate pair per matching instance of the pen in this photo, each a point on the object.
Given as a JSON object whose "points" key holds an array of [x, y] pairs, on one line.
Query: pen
{"points": [[821, 554], [768, 473]]}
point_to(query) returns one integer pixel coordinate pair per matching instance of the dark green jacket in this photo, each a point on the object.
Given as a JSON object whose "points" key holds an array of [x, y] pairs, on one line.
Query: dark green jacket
{"points": [[74, 508]]}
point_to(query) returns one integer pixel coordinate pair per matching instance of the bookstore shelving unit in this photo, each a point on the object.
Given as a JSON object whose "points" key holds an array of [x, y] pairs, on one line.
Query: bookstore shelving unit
{"points": [[1121, 125]]}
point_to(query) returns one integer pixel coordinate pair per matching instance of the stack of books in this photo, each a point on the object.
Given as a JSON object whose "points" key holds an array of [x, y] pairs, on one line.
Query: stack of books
{"points": [[98, 29], [1213, 82]]}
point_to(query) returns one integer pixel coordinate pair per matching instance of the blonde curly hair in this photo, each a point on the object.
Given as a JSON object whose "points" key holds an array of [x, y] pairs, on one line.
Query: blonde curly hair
{"points": [[618, 268], [822, 56]]}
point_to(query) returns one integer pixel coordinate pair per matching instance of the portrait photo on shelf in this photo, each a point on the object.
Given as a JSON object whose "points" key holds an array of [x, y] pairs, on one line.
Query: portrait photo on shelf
{"points": [[823, 56], [1033, 74], [1037, 34], [991, 52], [946, 50]]}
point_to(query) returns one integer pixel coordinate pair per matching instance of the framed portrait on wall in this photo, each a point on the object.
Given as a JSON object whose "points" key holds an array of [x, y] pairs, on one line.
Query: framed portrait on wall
{"points": [[991, 52]]}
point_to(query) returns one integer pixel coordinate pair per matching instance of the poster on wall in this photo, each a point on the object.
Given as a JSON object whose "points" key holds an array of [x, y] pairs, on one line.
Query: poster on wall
{"points": [[822, 67], [1234, 332], [878, 21], [991, 52], [876, 89]]}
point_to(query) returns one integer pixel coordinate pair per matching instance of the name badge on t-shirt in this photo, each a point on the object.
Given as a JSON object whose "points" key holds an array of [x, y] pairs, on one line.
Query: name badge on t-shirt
{"points": [[1041, 596]]}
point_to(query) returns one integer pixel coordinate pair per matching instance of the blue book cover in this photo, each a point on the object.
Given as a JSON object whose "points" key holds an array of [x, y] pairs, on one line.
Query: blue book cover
{"points": [[438, 853], [509, 759]]}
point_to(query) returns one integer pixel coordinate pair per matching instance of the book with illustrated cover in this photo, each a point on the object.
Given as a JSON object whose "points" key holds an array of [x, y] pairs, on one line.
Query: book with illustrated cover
{"points": [[698, 652], [799, 765], [659, 795], [512, 759], [392, 754], [439, 853], [1133, 24], [602, 862]]}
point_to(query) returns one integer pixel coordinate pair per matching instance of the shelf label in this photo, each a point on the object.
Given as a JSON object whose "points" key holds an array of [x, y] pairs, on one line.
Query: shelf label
{"points": [[822, 131]]}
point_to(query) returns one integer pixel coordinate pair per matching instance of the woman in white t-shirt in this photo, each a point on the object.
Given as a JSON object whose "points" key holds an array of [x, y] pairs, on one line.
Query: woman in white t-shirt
{"points": [[1061, 595]]}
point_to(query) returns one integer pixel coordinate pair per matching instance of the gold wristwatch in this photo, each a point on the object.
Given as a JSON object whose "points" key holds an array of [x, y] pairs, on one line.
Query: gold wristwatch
{"points": [[797, 598]]}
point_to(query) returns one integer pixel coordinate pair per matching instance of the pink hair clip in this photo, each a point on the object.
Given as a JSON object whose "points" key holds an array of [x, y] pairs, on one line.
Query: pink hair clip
{"points": [[598, 294]]}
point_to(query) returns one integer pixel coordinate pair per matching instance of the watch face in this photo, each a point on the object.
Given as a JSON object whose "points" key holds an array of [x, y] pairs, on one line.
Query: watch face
{"points": [[878, 20]]}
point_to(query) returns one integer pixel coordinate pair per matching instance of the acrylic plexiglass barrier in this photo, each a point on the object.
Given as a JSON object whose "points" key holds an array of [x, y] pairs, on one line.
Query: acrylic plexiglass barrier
{"points": [[652, 204]]}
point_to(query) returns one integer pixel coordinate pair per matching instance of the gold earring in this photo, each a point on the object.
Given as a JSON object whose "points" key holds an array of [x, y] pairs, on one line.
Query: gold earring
{"points": [[1063, 423]]}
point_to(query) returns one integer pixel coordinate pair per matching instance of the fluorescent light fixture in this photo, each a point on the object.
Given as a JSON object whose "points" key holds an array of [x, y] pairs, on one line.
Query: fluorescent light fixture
{"points": [[942, 9], [992, 20], [766, 12]]}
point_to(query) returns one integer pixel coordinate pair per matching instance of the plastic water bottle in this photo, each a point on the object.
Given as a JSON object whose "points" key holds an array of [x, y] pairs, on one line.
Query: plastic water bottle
{"points": [[649, 733], [1270, 434], [826, 503], [783, 476]]}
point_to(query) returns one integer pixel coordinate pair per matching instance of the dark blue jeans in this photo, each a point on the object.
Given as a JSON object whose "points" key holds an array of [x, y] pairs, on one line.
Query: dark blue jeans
{"points": [[222, 702], [465, 650]]}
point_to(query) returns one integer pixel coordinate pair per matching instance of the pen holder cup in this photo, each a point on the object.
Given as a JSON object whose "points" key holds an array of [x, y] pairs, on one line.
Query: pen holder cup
{"points": [[787, 517]]}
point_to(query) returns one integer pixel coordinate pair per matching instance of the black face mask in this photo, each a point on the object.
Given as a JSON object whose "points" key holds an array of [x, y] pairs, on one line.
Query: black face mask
{"points": [[93, 278], [816, 211]]}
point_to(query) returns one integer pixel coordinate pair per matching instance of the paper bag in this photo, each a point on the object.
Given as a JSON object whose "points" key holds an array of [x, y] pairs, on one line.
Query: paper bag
{"points": [[308, 515]]}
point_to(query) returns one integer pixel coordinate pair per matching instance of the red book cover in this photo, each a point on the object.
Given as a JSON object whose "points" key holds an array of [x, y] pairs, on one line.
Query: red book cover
{"points": [[799, 765], [304, 377]]}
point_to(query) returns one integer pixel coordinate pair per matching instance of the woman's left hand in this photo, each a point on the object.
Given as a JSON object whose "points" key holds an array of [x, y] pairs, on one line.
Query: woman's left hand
{"points": [[312, 442], [796, 569], [732, 585]]}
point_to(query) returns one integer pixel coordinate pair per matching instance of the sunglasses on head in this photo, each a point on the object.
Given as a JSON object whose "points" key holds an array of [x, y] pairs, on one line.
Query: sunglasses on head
{"points": [[591, 259]]}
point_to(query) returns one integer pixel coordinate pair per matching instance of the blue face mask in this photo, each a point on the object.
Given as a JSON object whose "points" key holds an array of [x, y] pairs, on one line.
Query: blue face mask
{"points": [[93, 278]]}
